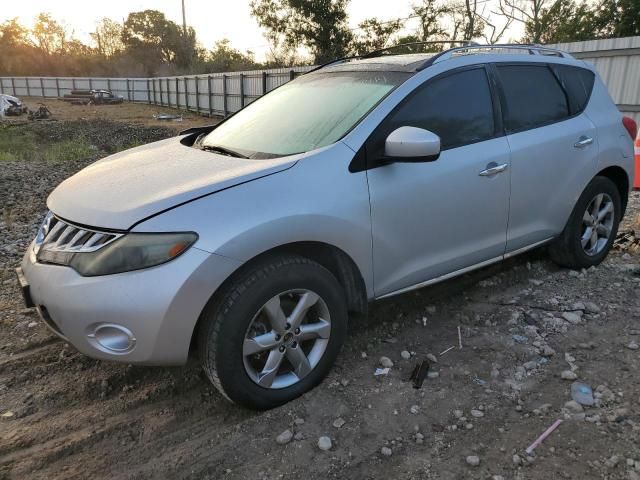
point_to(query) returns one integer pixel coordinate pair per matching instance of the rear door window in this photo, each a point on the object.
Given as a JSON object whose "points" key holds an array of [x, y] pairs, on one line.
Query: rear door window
{"points": [[578, 83], [533, 97], [457, 107]]}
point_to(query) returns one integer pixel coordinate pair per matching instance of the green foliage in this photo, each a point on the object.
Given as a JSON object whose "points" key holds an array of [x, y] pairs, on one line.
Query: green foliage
{"points": [[374, 35], [319, 25], [149, 36]]}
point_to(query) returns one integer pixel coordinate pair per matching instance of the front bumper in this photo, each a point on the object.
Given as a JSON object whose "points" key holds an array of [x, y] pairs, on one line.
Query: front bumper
{"points": [[158, 306]]}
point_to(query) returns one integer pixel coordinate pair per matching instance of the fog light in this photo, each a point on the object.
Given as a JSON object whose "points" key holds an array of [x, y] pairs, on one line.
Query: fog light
{"points": [[113, 338]]}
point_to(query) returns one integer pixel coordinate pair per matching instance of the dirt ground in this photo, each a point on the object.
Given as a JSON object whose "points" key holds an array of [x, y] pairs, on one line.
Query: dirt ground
{"points": [[138, 113], [525, 324]]}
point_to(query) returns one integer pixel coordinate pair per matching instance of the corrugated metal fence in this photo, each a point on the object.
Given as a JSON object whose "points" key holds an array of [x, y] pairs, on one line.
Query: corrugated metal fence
{"points": [[213, 94], [617, 60]]}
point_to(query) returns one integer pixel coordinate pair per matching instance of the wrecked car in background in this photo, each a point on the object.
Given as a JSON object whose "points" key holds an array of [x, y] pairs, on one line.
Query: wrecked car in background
{"points": [[11, 106]]}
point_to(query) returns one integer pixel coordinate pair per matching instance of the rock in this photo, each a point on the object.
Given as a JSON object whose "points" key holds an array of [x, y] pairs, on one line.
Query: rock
{"points": [[573, 406], [386, 362], [531, 365], [299, 421], [405, 355], [547, 351], [324, 443], [32, 324], [432, 358], [572, 317], [568, 375], [8, 414], [285, 437], [299, 436], [477, 413], [386, 451], [613, 461], [433, 375], [632, 345], [516, 459], [338, 422], [473, 460], [578, 306], [591, 307], [535, 282], [415, 409], [458, 413]]}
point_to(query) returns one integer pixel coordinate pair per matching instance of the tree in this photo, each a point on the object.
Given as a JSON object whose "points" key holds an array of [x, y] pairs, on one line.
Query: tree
{"points": [[527, 12], [566, 21], [430, 15], [374, 35], [149, 36], [618, 18], [319, 25], [225, 58], [49, 35], [108, 37]]}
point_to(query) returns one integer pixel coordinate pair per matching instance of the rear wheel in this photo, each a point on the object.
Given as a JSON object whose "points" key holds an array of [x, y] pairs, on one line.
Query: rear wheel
{"points": [[274, 332], [592, 226]]}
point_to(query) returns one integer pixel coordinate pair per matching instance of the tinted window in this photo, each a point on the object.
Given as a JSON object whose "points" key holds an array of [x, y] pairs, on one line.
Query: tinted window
{"points": [[456, 107], [578, 83], [533, 96]]}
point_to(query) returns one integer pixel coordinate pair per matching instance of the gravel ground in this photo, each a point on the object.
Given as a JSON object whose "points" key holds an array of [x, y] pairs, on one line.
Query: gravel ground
{"points": [[527, 329]]}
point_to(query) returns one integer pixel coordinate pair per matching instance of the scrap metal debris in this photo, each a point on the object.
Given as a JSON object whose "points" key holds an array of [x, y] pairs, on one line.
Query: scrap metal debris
{"points": [[419, 373], [42, 113], [168, 117], [627, 241], [544, 435], [448, 349]]}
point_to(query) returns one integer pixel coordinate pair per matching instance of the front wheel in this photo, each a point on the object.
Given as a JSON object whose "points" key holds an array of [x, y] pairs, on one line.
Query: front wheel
{"points": [[592, 226], [274, 332]]}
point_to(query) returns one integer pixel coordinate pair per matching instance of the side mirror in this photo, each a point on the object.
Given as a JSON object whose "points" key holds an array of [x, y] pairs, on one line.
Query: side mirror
{"points": [[411, 144]]}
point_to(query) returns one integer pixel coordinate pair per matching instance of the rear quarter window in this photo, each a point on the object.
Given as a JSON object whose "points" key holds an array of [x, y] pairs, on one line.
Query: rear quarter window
{"points": [[578, 83], [533, 96]]}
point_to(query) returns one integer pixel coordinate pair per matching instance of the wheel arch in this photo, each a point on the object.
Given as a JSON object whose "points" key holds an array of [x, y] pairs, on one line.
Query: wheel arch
{"points": [[621, 180], [334, 259]]}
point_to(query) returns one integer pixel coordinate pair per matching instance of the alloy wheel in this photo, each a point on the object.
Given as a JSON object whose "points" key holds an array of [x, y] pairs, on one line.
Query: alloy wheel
{"points": [[286, 339], [597, 223]]}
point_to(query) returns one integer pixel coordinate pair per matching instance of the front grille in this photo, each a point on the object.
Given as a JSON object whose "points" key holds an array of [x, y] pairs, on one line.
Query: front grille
{"points": [[56, 235]]}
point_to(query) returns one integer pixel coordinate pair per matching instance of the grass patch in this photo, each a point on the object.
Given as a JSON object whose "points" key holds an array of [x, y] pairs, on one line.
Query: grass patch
{"points": [[18, 143], [67, 150]]}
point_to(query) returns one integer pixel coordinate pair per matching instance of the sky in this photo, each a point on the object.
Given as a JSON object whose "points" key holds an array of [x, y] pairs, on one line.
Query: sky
{"points": [[212, 19]]}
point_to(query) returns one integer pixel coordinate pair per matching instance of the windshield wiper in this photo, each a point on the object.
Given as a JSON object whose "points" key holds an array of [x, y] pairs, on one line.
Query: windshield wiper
{"points": [[222, 150]]}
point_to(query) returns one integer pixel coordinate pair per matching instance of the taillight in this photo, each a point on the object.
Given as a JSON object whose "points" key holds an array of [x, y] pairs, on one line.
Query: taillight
{"points": [[631, 126]]}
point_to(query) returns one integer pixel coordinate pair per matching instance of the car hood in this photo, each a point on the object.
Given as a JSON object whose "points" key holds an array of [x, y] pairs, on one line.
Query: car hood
{"points": [[122, 189]]}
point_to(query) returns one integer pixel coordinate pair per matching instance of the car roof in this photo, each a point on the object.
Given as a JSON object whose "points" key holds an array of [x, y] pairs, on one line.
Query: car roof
{"points": [[413, 62], [398, 63]]}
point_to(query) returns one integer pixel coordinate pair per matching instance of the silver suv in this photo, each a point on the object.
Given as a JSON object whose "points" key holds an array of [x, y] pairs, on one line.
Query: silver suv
{"points": [[251, 241]]}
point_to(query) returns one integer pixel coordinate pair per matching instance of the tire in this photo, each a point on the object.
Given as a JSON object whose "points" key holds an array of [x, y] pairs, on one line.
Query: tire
{"points": [[568, 249], [246, 309]]}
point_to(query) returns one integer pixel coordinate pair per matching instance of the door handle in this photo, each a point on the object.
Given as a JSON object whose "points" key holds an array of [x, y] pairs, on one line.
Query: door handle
{"points": [[493, 168], [583, 142]]}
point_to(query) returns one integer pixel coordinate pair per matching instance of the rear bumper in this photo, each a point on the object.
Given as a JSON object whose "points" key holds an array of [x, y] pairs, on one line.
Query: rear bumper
{"points": [[158, 306]]}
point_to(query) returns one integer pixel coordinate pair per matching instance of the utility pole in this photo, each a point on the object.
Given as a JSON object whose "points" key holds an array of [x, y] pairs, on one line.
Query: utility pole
{"points": [[184, 21]]}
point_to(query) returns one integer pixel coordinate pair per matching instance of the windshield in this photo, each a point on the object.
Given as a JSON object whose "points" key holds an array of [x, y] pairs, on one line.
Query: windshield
{"points": [[308, 113]]}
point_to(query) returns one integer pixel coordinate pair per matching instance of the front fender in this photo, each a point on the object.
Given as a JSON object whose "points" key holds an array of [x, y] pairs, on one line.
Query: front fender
{"points": [[317, 200]]}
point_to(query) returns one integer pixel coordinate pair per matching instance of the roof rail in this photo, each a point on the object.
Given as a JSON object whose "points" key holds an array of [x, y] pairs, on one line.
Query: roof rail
{"points": [[531, 49], [379, 52]]}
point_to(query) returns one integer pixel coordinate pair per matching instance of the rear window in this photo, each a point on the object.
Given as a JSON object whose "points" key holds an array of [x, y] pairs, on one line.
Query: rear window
{"points": [[533, 96], [578, 83]]}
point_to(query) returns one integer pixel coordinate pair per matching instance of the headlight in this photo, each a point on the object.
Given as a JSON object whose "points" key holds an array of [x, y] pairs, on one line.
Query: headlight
{"points": [[132, 251]]}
